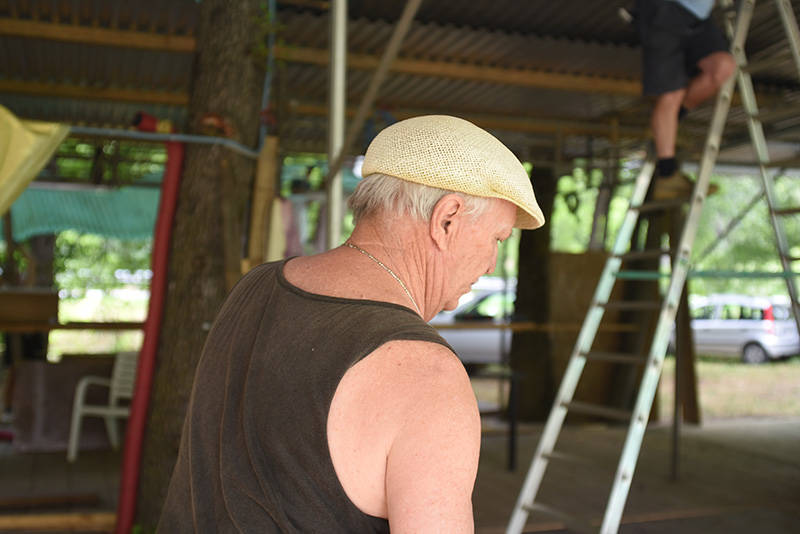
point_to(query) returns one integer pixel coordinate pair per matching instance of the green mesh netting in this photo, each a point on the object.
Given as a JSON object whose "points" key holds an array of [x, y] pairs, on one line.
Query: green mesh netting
{"points": [[126, 213]]}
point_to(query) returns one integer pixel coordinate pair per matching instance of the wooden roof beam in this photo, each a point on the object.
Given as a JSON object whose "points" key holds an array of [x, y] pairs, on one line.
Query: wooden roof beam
{"points": [[94, 93], [499, 122], [463, 71], [97, 36]]}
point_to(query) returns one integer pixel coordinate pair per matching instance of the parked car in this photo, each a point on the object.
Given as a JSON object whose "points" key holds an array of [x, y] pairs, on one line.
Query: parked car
{"points": [[489, 303], [757, 329]]}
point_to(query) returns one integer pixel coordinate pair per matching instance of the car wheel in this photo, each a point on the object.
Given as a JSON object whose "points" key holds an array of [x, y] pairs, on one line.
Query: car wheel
{"points": [[754, 353]]}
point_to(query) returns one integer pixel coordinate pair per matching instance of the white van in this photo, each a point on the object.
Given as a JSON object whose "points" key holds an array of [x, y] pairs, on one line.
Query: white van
{"points": [[756, 329]]}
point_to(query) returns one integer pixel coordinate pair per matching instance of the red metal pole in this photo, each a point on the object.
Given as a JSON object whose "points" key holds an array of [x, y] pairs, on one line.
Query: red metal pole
{"points": [[129, 480]]}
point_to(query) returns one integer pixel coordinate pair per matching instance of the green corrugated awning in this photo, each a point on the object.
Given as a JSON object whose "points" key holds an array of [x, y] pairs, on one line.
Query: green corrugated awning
{"points": [[125, 213]]}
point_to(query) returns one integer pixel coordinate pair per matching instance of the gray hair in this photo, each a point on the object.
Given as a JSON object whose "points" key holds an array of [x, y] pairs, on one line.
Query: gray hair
{"points": [[393, 196]]}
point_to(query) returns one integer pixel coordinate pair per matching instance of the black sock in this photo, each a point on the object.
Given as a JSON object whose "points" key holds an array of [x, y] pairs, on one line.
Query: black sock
{"points": [[682, 113], [667, 166]]}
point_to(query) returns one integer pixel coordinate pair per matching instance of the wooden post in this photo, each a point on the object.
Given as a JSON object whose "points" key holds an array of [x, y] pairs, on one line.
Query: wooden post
{"points": [[264, 187], [685, 366], [685, 372]]}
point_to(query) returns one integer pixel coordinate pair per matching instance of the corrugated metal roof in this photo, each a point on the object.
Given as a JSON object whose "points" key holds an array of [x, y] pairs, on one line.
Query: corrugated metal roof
{"points": [[581, 37], [587, 20]]}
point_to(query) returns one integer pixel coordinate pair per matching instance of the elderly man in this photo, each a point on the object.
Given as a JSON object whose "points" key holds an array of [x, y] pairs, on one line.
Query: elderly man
{"points": [[323, 401]]}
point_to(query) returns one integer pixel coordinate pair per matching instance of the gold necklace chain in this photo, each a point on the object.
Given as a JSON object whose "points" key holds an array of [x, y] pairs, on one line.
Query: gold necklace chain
{"points": [[388, 270]]}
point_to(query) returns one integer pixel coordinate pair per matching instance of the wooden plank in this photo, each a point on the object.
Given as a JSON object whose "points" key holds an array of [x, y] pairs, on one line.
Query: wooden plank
{"points": [[94, 93], [28, 305], [686, 372], [17, 503], [97, 36], [464, 71], [95, 522]]}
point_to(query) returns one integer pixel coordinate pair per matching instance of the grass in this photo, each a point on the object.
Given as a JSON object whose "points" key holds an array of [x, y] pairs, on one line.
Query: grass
{"points": [[727, 388]]}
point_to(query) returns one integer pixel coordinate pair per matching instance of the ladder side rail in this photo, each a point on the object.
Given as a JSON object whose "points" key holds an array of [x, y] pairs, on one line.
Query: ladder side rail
{"points": [[755, 127], [793, 36], [577, 359], [790, 26], [644, 400]]}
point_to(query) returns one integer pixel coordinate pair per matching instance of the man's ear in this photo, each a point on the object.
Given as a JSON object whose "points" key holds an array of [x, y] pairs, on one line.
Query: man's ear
{"points": [[445, 218]]}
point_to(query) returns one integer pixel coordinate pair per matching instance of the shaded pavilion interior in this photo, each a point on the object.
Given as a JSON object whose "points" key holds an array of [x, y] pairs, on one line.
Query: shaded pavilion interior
{"points": [[554, 80]]}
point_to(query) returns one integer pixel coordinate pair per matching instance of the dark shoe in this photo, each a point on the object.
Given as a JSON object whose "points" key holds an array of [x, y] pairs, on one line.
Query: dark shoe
{"points": [[677, 185]]}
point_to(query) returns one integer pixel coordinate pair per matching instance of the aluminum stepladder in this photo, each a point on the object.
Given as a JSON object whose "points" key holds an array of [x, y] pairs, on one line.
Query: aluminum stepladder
{"points": [[754, 124], [582, 352]]}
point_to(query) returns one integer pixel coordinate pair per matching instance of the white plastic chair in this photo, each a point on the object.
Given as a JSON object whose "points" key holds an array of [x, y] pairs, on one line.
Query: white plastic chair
{"points": [[123, 377]]}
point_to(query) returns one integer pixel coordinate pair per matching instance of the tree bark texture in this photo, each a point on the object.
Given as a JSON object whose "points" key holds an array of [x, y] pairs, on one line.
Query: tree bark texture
{"points": [[208, 230], [531, 352]]}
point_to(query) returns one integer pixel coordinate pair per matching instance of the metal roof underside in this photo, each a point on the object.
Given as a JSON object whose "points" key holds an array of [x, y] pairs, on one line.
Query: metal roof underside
{"points": [[530, 71]]}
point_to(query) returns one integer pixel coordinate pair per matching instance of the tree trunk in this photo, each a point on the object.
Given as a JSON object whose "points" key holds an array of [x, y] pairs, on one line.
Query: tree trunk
{"points": [[531, 354], [207, 230]]}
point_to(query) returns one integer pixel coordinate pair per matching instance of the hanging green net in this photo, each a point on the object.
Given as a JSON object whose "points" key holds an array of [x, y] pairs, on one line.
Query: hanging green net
{"points": [[125, 213]]}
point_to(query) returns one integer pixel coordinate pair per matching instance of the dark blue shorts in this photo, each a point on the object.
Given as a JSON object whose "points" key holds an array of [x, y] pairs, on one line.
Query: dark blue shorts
{"points": [[673, 41]]}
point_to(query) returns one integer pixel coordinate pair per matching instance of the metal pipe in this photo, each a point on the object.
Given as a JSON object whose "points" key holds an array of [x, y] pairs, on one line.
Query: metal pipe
{"points": [[336, 116], [155, 137], [335, 164]]}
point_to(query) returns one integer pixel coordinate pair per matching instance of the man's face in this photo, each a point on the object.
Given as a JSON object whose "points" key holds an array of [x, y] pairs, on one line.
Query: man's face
{"points": [[474, 252]]}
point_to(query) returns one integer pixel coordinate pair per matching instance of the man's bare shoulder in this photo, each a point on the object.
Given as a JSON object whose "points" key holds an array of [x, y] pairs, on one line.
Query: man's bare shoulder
{"points": [[408, 405], [432, 462], [427, 354]]}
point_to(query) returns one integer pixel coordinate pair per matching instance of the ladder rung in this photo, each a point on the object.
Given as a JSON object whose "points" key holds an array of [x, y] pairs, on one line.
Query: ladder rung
{"points": [[566, 457], [787, 211], [632, 305], [595, 409], [660, 205], [616, 357], [644, 254], [651, 276], [572, 522]]}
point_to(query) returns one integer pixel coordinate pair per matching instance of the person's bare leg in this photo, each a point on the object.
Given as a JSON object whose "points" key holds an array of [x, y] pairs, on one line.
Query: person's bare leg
{"points": [[664, 122], [715, 69]]}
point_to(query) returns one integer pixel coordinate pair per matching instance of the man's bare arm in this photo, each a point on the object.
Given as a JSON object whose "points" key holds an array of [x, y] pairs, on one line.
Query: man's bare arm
{"points": [[433, 459]]}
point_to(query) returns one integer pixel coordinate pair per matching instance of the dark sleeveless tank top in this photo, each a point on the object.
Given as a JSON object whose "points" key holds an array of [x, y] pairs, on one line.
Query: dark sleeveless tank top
{"points": [[254, 451]]}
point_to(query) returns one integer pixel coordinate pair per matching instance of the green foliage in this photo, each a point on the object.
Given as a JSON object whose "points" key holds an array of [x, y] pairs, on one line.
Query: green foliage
{"points": [[751, 245], [90, 261], [114, 162]]}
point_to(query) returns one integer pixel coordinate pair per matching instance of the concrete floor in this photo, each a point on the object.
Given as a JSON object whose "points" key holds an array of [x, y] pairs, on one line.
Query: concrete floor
{"points": [[737, 476]]}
